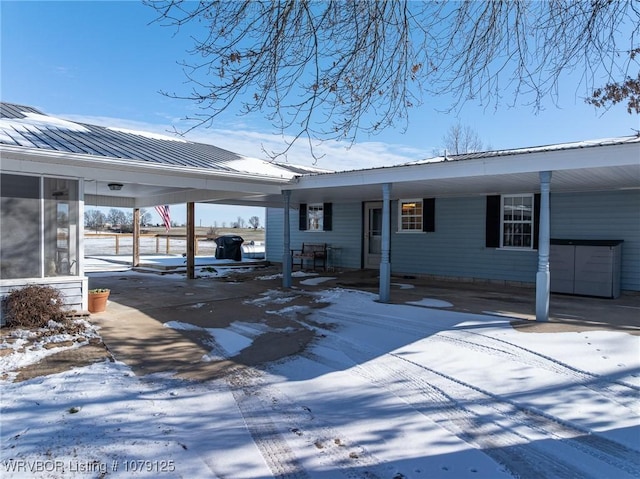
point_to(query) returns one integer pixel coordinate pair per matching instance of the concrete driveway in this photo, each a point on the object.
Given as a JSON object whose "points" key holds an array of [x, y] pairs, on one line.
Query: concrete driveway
{"points": [[141, 304]]}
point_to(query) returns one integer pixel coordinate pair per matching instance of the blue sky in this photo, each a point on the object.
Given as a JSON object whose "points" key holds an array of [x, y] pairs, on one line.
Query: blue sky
{"points": [[105, 63]]}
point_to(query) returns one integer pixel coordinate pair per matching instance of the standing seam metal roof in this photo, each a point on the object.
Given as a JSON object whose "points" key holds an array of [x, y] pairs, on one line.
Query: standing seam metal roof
{"points": [[26, 126]]}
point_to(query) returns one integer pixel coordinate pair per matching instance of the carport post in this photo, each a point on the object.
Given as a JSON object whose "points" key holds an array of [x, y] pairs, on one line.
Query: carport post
{"points": [[286, 254], [385, 264], [191, 240], [135, 262], [543, 275]]}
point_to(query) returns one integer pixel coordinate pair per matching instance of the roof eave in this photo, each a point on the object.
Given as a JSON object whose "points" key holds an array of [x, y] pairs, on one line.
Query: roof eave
{"points": [[127, 165]]}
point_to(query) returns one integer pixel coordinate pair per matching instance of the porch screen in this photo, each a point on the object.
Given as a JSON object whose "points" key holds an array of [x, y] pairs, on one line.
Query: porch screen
{"points": [[20, 253], [39, 232]]}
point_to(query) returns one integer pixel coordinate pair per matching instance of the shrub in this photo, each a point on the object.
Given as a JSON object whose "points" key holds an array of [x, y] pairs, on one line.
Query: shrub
{"points": [[33, 306], [99, 290]]}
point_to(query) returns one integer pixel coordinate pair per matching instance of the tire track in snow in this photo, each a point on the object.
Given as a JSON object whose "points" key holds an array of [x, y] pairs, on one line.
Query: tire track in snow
{"points": [[517, 452], [345, 457], [261, 418], [613, 453], [506, 448], [258, 400], [612, 389], [272, 445]]}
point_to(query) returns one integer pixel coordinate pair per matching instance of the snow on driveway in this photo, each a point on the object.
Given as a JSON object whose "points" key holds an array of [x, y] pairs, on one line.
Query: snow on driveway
{"points": [[386, 391]]}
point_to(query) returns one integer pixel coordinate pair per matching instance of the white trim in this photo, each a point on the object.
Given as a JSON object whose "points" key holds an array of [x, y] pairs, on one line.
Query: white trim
{"points": [[46, 280], [41, 231], [401, 201]]}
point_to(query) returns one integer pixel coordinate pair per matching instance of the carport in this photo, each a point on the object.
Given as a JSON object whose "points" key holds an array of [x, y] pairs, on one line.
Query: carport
{"points": [[52, 169]]}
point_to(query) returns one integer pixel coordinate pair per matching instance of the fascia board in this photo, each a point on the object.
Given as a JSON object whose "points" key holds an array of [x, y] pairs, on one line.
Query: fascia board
{"points": [[583, 158], [153, 177]]}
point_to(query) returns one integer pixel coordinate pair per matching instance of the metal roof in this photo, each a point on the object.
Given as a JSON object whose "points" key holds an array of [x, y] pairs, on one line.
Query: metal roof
{"points": [[28, 127], [158, 169], [535, 149]]}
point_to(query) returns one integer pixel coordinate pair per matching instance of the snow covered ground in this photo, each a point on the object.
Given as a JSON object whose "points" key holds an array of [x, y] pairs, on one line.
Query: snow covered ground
{"points": [[386, 391]]}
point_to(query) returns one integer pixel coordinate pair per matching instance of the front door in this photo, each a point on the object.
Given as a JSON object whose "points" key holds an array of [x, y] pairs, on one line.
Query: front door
{"points": [[372, 234]]}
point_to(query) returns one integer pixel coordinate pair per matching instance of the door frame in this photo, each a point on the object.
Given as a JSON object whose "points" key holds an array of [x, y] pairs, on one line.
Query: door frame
{"points": [[369, 260]]}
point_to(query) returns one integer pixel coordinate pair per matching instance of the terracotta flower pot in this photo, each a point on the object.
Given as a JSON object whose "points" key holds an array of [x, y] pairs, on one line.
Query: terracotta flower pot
{"points": [[98, 301]]}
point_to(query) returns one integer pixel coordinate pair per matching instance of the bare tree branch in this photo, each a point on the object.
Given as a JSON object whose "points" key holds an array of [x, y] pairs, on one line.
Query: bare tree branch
{"points": [[461, 139], [334, 69]]}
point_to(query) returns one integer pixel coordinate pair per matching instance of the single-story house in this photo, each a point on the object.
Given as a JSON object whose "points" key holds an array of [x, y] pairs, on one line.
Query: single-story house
{"points": [[563, 218], [497, 216]]}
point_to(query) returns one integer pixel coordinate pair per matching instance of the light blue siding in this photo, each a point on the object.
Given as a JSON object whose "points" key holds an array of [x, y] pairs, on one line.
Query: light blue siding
{"points": [[457, 247], [613, 215], [274, 234], [346, 234]]}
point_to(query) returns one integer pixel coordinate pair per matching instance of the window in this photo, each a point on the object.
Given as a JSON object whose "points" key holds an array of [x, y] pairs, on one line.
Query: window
{"points": [[315, 217], [417, 215], [410, 217], [517, 221], [61, 228]]}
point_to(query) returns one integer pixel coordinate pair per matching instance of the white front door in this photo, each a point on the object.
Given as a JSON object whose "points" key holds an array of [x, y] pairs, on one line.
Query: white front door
{"points": [[372, 234]]}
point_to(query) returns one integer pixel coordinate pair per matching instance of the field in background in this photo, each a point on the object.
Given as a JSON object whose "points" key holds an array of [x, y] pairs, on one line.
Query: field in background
{"points": [[158, 241]]}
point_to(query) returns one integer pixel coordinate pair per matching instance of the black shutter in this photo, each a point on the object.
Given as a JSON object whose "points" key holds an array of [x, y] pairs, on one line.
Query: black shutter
{"points": [[429, 214], [536, 220], [302, 218], [327, 220], [492, 227]]}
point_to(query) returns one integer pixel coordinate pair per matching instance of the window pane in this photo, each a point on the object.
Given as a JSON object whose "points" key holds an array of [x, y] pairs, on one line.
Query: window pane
{"points": [[517, 221], [60, 227], [508, 235], [411, 215], [315, 216]]}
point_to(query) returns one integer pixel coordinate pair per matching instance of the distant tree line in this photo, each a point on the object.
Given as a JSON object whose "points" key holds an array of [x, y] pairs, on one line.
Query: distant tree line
{"points": [[122, 221]]}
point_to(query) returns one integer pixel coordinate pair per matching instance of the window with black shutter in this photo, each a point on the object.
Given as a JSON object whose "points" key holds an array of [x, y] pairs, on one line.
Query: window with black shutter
{"points": [[315, 217]]}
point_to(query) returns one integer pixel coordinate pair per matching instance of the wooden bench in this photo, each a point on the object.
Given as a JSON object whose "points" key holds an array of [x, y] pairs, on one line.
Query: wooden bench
{"points": [[316, 252]]}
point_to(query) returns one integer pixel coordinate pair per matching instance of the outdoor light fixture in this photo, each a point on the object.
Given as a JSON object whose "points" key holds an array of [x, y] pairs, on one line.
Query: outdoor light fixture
{"points": [[115, 186]]}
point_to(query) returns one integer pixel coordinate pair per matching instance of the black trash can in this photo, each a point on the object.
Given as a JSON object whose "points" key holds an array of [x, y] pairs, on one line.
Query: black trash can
{"points": [[229, 247]]}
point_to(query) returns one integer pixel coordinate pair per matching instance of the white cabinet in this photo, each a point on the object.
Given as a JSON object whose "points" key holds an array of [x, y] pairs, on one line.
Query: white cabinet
{"points": [[586, 267]]}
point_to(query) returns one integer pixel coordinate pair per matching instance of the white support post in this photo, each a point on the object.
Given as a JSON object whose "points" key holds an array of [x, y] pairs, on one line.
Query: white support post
{"points": [[385, 263], [135, 261], [543, 275], [286, 254]]}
